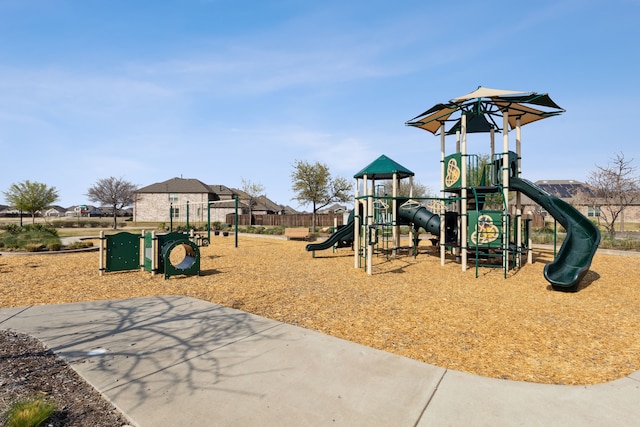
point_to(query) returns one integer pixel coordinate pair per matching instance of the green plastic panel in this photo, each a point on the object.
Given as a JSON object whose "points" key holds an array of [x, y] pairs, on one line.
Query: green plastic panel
{"points": [[453, 171], [148, 252], [123, 252], [485, 229]]}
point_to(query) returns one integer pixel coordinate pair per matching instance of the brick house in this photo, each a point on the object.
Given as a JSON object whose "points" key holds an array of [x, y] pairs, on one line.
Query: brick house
{"points": [[580, 196], [154, 202]]}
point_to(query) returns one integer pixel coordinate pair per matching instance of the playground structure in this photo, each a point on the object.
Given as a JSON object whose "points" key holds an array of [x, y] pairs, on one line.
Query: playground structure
{"points": [[156, 252], [473, 218], [149, 251]]}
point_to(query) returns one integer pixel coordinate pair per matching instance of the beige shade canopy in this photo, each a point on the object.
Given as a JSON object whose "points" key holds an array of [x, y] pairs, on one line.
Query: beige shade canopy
{"points": [[485, 92], [483, 107]]}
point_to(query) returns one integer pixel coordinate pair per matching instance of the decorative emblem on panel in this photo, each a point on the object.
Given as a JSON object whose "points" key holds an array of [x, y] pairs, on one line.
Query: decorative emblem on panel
{"points": [[486, 231], [453, 173]]}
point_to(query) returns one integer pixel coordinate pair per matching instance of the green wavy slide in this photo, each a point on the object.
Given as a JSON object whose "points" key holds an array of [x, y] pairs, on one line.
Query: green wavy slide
{"points": [[583, 237]]}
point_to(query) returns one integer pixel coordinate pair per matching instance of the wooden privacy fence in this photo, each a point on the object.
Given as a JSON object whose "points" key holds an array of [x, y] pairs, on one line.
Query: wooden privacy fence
{"points": [[294, 220]]}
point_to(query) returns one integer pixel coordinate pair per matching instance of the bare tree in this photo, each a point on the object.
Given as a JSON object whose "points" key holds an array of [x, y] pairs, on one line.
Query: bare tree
{"points": [[30, 197], [114, 192], [614, 188], [253, 192], [313, 183]]}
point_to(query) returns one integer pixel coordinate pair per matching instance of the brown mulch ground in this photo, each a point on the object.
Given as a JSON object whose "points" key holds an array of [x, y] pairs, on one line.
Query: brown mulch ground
{"points": [[515, 328]]}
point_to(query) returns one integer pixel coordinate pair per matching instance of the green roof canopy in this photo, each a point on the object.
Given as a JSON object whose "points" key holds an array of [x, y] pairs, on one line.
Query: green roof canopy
{"points": [[384, 168]]}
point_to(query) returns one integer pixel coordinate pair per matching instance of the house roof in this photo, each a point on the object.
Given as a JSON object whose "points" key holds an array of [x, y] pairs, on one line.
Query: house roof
{"points": [[227, 204], [262, 203], [266, 204], [221, 190], [177, 185], [333, 208], [54, 207], [289, 210], [564, 188]]}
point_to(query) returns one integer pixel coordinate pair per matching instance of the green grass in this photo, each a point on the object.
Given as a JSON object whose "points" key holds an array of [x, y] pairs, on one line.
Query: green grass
{"points": [[30, 238], [28, 413]]}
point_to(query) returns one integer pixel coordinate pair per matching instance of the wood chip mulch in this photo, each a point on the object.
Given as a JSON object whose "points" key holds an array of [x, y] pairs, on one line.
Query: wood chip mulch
{"points": [[515, 328]]}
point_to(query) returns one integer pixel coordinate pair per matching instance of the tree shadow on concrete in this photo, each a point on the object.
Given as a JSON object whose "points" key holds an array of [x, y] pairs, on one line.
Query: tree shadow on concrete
{"points": [[146, 347]]}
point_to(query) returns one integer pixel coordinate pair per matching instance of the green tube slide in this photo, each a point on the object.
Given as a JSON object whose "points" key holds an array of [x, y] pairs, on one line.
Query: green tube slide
{"points": [[583, 237], [420, 216]]}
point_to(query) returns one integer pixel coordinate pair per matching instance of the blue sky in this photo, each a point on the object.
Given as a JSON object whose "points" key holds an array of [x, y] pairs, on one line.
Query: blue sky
{"points": [[223, 91]]}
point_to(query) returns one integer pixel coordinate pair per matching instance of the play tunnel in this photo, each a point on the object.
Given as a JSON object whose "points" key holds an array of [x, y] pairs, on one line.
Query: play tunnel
{"points": [[177, 245]]}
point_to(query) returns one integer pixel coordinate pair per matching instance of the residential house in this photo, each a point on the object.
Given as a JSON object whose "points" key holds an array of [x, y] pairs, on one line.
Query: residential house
{"points": [[335, 208], [54, 211], [288, 210], [156, 202], [11, 212], [79, 211], [576, 193]]}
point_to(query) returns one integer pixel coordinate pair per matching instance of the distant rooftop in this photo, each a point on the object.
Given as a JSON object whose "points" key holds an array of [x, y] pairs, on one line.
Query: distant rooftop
{"points": [[564, 189], [177, 185]]}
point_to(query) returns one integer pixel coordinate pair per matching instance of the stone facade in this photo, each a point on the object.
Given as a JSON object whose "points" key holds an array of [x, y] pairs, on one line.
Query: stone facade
{"points": [[155, 207], [153, 203]]}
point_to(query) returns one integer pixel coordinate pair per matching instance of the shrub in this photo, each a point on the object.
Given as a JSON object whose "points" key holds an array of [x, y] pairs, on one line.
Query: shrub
{"points": [[86, 223], [40, 228], [12, 228], [28, 413], [31, 238], [80, 245], [33, 247], [405, 229], [54, 247], [278, 230], [620, 244]]}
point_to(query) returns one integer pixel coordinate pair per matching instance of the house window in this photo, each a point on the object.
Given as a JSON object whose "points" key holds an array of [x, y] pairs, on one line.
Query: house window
{"points": [[593, 211], [176, 212], [173, 197]]}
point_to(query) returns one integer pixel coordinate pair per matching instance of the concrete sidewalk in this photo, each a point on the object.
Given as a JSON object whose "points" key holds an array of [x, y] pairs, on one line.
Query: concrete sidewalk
{"points": [[179, 361]]}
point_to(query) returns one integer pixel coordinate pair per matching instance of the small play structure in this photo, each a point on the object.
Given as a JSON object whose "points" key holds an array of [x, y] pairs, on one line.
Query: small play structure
{"points": [[150, 251], [170, 253], [478, 217]]}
